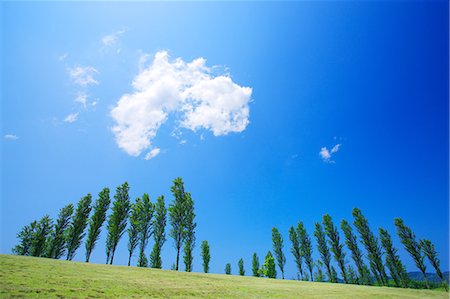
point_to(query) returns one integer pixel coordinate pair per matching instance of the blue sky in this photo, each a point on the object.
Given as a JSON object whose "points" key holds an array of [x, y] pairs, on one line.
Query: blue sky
{"points": [[294, 110]]}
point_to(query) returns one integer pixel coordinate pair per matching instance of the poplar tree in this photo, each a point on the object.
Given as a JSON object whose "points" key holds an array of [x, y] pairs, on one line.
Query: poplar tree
{"points": [[75, 232], [145, 211], [428, 249], [255, 265], [241, 267], [159, 235], [295, 249], [324, 252], [57, 242], [100, 207], [393, 262], [117, 221], [277, 241], [40, 235], [305, 247], [177, 217], [319, 274], [408, 240], [336, 247], [371, 244], [133, 229], [206, 256], [268, 268], [357, 256], [189, 232], [25, 236], [228, 269]]}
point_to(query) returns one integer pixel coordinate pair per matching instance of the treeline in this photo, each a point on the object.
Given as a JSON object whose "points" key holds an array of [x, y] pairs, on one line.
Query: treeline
{"points": [[141, 220], [381, 255]]}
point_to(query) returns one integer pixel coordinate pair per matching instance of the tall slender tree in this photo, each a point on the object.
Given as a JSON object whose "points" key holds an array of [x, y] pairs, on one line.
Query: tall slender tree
{"points": [[335, 245], [370, 242], [393, 262], [159, 235], [145, 212], [189, 232], [428, 249], [133, 229], [75, 232], [357, 256], [324, 251], [305, 248], [296, 250], [206, 256], [117, 221], [241, 267], [277, 241], [100, 207], [255, 265], [25, 236], [177, 216], [57, 240], [408, 239], [40, 235], [268, 268]]}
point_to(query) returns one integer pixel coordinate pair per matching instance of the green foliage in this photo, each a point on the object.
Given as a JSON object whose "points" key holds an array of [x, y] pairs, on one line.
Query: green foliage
{"points": [[75, 232], [357, 256], [228, 269], [57, 241], [25, 236], [305, 247], [352, 278], [319, 277], [159, 235], [268, 268], [429, 251], [371, 244], [408, 240], [241, 267], [277, 241], [393, 262], [296, 250], [145, 211], [189, 232], [40, 235], [206, 256], [333, 275], [100, 207], [255, 265], [177, 216], [133, 229], [323, 251], [335, 246], [117, 221]]}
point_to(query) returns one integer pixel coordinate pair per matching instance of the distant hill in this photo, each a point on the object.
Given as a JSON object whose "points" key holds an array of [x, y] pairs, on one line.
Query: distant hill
{"points": [[432, 277]]}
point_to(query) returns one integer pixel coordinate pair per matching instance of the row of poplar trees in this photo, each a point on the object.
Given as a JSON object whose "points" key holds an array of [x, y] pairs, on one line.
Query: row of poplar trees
{"points": [[329, 245], [141, 220]]}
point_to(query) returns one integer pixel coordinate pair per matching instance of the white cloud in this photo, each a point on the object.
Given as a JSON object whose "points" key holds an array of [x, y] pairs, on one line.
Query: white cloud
{"points": [[153, 153], [73, 117], [83, 75], [11, 137], [186, 89], [111, 39], [82, 99], [326, 154], [63, 57]]}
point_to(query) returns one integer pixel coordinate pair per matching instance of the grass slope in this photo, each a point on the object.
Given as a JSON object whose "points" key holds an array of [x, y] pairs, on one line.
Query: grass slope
{"points": [[39, 277]]}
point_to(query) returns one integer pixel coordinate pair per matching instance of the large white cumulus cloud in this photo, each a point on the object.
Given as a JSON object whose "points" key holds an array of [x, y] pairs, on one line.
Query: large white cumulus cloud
{"points": [[200, 99]]}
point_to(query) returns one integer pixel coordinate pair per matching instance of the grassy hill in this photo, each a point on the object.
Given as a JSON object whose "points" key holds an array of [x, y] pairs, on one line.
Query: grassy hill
{"points": [[39, 277]]}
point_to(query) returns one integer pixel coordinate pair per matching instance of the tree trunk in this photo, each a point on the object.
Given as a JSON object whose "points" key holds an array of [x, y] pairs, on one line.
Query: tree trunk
{"points": [[178, 258], [129, 259]]}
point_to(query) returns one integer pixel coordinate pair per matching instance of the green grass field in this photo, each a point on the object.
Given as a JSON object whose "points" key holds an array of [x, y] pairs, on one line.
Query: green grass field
{"points": [[39, 277]]}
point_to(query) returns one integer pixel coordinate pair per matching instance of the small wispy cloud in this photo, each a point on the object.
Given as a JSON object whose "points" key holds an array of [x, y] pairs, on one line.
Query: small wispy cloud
{"points": [[11, 137], [326, 154], [71, 118], [82, 99], [83, 75], [63, 57], [153, 153], [111, 39]]}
